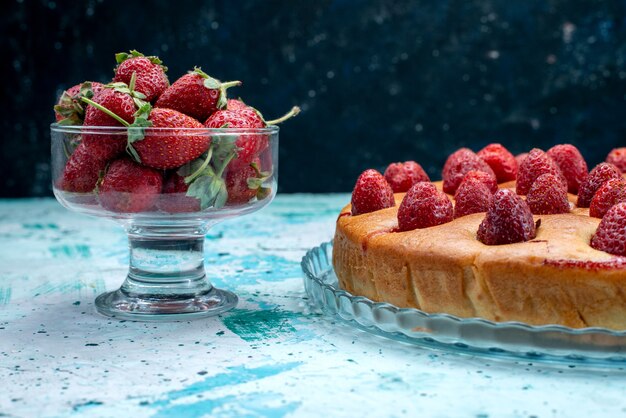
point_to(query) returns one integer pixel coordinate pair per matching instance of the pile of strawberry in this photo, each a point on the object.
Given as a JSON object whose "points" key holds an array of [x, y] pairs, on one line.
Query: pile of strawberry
{"points": [[146, 167], [539, 185]]}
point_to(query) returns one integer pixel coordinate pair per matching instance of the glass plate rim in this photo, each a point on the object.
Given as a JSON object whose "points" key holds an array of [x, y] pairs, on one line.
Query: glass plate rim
{"points": [[584, 346], [549, 327]]}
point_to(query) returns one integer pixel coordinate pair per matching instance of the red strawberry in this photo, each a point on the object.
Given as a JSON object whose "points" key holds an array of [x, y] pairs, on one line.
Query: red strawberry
{"points": [[240, 118], [611, 192], [488, 179], [617, 157], [70, 109], [508, 220], [519, 158], [174, 197], [596, 178], [237, 184], [173, 146], [610, 236], [458, 164], [196, 94], [105, 146], [244, 182], [371, 193], [115, 101], [424, 206], [128, 187], [501, 161], [81, 172], [151, 78], [535, 164], [401, 176], [472, 196], [547, 197], [235, 104], [249, 146], [571, 163]]}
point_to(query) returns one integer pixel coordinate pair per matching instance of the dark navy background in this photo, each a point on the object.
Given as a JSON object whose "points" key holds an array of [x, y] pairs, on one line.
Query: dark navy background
{"points": [[377, 81]]}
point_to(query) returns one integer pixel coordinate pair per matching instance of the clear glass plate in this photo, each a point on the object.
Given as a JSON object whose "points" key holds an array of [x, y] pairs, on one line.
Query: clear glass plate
{"points": [[514, 340]]}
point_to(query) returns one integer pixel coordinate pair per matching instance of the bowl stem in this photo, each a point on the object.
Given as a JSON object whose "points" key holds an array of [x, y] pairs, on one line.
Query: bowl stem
{"points": [[166, 278]]}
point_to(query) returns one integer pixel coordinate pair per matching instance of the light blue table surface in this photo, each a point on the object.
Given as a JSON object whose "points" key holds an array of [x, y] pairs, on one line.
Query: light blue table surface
{"points": [[271, 356]]}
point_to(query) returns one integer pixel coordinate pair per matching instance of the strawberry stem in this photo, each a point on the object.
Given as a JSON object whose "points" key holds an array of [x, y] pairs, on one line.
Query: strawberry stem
{"points": [[222, 101], [229, 84], [105, 110], [293, 112], [225, 164], [133, 80], [199, 171]]}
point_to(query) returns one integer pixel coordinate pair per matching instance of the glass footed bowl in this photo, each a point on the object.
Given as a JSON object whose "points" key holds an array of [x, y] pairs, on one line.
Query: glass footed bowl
{"points": [[166, 225]]}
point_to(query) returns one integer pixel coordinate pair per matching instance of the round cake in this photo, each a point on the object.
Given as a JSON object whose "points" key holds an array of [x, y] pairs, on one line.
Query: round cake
{"points": [[556, 277]]}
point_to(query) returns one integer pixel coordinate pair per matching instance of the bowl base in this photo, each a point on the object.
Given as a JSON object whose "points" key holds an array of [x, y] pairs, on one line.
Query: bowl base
{"points": [[121, 305]]}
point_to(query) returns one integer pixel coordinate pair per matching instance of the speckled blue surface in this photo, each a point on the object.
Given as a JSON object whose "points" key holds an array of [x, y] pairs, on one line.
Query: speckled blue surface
{"points": [[271, 356]]}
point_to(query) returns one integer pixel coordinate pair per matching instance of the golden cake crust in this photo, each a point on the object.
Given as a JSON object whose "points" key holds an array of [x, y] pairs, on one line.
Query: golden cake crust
{"points": [[556, 278]]}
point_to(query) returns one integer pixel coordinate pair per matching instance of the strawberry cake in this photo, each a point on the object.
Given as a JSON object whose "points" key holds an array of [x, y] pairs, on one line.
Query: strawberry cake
{"points": [[535, 238]]}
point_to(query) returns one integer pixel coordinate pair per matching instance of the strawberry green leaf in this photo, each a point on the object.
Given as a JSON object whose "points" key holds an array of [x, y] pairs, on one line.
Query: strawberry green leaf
{"points": [[212, 83], [199, 189], [65, 100], [211, 191], [263, 193], [136, 131], [70, 120], [261, 177], [224, 150], [257, 170], [143, 110], [64, 110], [140, 123], [205, 181], [199, 71], [156, 60], [72, 108], [256, 182], [139, 103], [86, 90], [138, 97], [120, 57], [222, 196], [118, 86], [214, 187]]}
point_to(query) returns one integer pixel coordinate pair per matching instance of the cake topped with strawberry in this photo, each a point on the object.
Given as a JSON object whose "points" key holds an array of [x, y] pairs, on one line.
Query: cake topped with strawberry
{"points": [[535, 238], [145, 145]]}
